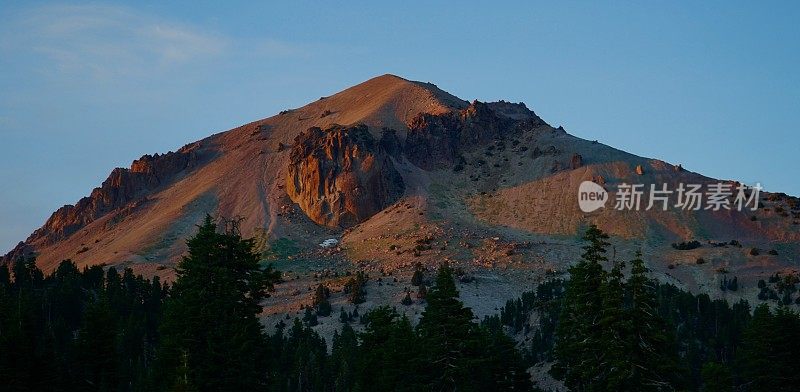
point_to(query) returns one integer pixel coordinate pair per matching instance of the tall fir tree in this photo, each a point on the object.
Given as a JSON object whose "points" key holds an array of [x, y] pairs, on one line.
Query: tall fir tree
{"points": [[97, 348], [211, 337], [344, 359], [651, 347], [770, 346], [578, 336], [616, 331], [447, 334], [388, 340]]}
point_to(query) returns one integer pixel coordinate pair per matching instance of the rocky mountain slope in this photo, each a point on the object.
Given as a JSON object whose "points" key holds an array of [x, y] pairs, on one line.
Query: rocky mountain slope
{"points": [[400, 172]]}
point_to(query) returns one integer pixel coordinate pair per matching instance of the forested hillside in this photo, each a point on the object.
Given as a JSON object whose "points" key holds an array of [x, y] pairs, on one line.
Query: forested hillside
{"points": [[610, 327]]}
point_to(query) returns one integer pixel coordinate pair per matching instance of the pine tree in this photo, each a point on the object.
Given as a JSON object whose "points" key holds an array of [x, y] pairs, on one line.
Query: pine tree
{"points": [[407, 301], [5, 278], [96, 349], [355, 288], [320, 301], [616, 334], [504, 363], [578, 337], [310, 318], [210, 325], [418, 277], [716, 377], [422, 291], [652, 352], [407, 355], [303, 361], [447, 334], [344, 359], [757, 346], [376, 347], [769, 350]]}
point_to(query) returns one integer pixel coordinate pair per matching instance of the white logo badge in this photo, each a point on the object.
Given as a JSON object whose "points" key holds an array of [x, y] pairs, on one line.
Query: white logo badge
{"points": [[591, 196]]}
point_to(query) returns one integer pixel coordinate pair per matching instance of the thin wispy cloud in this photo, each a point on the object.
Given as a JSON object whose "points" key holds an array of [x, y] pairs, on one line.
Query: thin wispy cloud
{"points": [[107, 41]]}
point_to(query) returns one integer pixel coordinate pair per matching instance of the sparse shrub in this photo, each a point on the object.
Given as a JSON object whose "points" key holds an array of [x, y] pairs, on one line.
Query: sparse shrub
{"points": [[733, 284], [422, 291], [355, 288], [310, 318], [687, 245], [773, 252], [320, 301], [407, 300], [418, 276], [754, 252]]}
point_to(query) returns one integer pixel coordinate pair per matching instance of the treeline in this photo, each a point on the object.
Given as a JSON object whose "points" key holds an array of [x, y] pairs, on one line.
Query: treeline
{"points": [[76, 330], [446, 351], [96, 330], [605, 332]]}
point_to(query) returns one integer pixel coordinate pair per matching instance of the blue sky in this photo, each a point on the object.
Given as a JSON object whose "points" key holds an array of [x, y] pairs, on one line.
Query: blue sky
{"points": [[86, 87]]}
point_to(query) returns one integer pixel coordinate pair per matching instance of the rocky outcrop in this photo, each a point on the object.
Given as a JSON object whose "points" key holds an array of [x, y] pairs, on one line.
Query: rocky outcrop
{"points": [[122, 187], [437, 140], [576, 161], [22, 251], [538, 152], [341, 176], [390, 142]]}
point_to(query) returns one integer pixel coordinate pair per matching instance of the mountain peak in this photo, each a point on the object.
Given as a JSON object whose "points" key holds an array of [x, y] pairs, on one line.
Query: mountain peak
{"points": [[383, 101]]}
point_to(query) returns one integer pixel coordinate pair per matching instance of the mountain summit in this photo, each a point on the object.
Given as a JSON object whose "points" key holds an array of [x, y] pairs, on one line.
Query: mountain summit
{"points": [[393, 168]]}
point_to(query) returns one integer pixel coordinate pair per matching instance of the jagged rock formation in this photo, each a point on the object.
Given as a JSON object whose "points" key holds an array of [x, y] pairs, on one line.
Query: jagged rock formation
{"points": [[122, 188], [340, 176], [437, 140]]}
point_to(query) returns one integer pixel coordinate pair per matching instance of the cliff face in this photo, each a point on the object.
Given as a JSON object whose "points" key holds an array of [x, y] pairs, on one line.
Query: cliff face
{"points": [[121, 188], [341, 176], [436, 140]]}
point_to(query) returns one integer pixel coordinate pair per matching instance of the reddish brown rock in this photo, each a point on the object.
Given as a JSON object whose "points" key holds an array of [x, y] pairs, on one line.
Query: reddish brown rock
{"points": [[438, 140], [123, 186], [341, 176]]}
